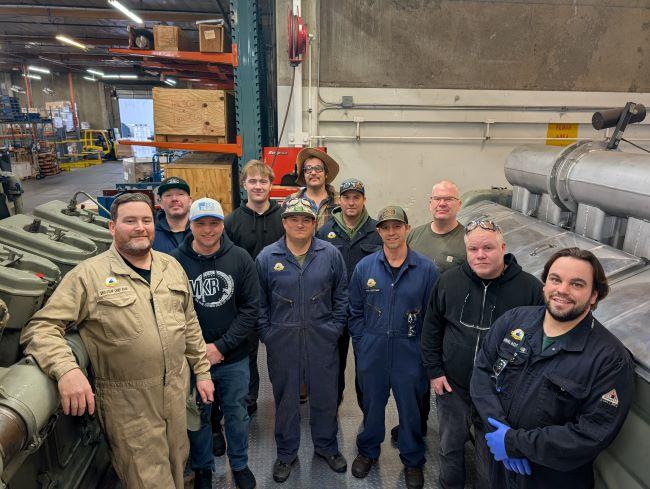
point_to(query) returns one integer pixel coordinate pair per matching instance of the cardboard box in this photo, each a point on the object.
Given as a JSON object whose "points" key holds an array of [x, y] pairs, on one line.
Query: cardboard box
{"points": [[211, 38], [169, 38], [188, 112], [137, 169]]}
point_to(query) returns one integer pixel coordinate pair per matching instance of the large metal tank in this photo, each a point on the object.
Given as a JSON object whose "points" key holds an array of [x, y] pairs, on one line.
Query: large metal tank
{"points": [[63, 247], [86, 223], [25, 281], [625, 312]]}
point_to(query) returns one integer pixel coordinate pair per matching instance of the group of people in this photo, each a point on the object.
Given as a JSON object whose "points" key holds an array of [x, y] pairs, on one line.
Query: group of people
{"points": [[172, 316]]}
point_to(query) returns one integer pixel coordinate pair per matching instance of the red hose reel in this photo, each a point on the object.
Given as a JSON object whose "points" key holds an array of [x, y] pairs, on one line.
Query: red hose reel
{"points": [[297, 39]]}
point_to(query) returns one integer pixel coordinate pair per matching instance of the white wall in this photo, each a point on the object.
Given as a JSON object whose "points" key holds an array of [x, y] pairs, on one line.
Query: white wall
{"points": [[402, 171]]}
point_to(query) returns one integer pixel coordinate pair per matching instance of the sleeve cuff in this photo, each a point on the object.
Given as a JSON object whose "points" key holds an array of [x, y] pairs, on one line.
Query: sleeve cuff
{"points": [[511, 444], [435, 372], [63, 369], [221, 346]]}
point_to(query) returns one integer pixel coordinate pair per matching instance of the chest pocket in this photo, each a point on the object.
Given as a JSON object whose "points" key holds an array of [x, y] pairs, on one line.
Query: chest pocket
{"points": [[178, 294], [561, 399], [370, 248], [283, 308], [119, 317], [507, 375]]}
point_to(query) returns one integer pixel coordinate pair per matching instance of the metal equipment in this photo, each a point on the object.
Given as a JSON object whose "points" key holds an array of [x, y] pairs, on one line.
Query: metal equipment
{"points": [[595, 198]]}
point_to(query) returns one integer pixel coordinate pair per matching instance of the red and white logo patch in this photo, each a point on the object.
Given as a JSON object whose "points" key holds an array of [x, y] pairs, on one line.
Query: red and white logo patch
{"points": [[610, 398]]}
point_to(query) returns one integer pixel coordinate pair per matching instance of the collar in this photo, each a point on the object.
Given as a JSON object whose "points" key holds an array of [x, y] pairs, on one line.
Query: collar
{"points": [[281, 246], [118, 266], [576, 338]]}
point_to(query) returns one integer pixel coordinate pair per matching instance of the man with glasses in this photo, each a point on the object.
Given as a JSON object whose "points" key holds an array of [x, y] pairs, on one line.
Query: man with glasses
{"points": [[255, 224], [316, 170], [354, 234], [442, 238], [463, 306], [303, 305]]}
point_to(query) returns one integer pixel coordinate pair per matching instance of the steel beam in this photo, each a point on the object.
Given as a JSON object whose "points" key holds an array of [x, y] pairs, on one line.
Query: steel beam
{"points": [[50, 11]]}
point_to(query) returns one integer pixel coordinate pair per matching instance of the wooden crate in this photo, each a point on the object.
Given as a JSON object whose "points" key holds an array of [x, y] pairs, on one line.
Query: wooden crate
{"points": [[211, 38], [175, 138], [189, 112], [205, 180], [169, 38]]}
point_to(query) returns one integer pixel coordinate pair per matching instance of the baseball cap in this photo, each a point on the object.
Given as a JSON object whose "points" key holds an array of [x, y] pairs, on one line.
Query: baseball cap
{"points": [[352, 184], [205, 207], [173, 182], [298, 207], [392, 213]]}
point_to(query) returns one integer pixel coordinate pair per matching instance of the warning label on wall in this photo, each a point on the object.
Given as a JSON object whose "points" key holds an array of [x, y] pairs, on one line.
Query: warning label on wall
{"points": [[561, 134]]}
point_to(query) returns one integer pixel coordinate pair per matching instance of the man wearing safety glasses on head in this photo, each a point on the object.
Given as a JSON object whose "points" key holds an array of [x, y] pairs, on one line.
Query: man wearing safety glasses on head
{"points": [[463, 306]]}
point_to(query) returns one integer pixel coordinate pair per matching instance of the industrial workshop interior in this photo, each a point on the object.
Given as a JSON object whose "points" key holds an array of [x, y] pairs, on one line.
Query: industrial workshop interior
{"points": [[315, 244]]}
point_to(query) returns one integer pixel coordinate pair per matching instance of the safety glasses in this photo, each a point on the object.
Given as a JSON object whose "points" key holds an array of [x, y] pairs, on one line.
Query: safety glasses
{"points": [[487, 224]]}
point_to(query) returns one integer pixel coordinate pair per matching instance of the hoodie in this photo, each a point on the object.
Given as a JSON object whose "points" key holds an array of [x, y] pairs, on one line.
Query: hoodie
{"points": [[253, 231], [461, 311], [165, 240], [225, 289]]}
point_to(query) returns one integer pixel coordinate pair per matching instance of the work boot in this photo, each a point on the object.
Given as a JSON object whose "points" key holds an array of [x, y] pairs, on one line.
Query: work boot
{"points": [[361, 466], [394, 434], [244, 478], [281, 470], [336, 462], [218, 443], [414, 477], [203, 479]]}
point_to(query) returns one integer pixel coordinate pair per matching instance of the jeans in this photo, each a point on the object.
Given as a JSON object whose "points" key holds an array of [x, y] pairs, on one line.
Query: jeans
{"points": [[456, 415], [231, 387]]}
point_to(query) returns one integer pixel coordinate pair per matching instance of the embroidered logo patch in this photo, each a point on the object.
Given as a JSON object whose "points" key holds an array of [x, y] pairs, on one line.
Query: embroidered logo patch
{"points": [[450, 259], [610, 398], [331, 235], [110, 282], [517, 334], [278, 267], [371, 283]]}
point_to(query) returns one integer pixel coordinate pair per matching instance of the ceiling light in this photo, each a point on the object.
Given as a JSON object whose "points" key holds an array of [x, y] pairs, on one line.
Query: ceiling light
{"points": [[71, 42], [38, 69], [95, 72], [108, 77], [17, 89], [33, 77], [90, 78], [48, 91], [129, 77], [170, 82], [125, 11]]}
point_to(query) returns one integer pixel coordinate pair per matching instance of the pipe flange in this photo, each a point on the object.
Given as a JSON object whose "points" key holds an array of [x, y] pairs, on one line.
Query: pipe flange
{"points": [[558, 188]]}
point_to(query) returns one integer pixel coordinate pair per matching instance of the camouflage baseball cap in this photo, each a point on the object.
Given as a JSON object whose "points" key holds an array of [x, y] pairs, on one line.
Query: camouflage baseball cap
{"points": [[298, 207], [352, 184], [392, 213]]}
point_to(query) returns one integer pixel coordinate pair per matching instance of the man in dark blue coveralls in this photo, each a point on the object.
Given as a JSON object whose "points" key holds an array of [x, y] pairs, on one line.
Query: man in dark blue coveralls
{"points": [[303, 305], [389, 292], [552, 385]]}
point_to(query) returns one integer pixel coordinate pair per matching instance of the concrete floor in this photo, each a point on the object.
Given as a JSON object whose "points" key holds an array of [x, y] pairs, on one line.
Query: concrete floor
{"points": [[63, 186], [310, 472]]}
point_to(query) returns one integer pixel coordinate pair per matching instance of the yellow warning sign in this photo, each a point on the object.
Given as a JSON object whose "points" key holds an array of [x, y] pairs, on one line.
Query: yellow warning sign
{"points": [[565, 132]]}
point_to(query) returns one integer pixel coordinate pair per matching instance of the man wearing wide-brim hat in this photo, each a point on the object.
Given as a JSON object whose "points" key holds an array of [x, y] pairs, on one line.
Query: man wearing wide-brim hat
{"points": [[316, 171]]}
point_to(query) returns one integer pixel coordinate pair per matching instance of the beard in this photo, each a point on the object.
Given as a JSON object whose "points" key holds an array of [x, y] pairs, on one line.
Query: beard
{"points": [[565, 316], [133, 249]]}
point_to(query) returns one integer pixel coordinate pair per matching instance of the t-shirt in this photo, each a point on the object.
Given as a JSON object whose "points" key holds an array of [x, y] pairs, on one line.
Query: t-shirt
{"points": [[549, 340], [446, 250], [143, 272], [301, 259]]}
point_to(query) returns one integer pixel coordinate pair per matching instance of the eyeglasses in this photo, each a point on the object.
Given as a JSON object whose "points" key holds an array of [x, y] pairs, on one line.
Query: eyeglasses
{"points": [[446, 200], [486, 224], [315, 169]]}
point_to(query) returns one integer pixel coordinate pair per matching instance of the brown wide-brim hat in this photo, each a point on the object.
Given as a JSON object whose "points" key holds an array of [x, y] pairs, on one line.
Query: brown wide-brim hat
{"points": [[330, 164]]}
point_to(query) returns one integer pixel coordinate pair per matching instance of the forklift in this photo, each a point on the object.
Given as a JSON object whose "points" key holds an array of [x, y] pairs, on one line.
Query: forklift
{"points": [[100, 140]]}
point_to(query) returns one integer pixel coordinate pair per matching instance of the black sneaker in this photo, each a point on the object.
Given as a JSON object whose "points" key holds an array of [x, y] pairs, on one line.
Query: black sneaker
{"points": [[281, 470], [336, 462], [361, 466], [394, 434], [218, 443], [251, 408], [244, 479], [203, 479], [414, 477]]}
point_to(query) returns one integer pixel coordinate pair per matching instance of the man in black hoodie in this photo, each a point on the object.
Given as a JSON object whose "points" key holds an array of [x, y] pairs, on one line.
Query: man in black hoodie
{"points": [[172, 223], [254, 225], [225, 289], [463, 306]]}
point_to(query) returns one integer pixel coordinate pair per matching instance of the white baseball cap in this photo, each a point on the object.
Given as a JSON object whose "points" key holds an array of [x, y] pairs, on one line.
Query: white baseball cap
{"points": [[205, 207]]}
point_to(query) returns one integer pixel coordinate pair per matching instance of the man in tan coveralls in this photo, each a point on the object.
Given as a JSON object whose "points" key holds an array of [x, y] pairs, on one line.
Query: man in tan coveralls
{"points": [[134, 312]]}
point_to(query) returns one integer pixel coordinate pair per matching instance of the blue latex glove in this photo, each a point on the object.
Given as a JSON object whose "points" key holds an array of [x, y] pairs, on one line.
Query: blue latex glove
{"points": [[497, 440], [518, 465]]}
